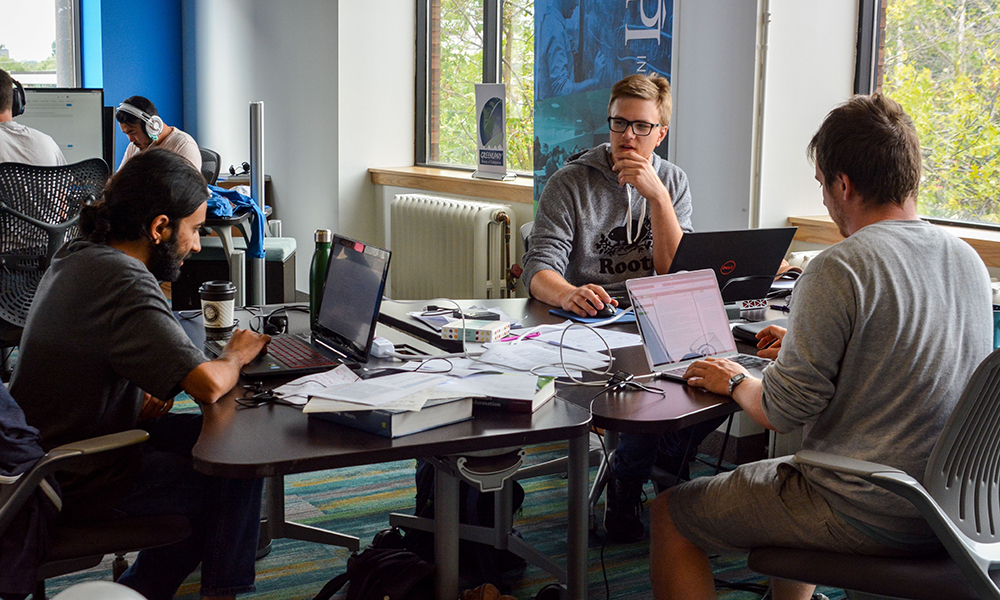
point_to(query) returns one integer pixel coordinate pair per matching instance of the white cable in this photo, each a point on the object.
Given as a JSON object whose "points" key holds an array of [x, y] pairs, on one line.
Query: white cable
{"points": [[628, 223]]}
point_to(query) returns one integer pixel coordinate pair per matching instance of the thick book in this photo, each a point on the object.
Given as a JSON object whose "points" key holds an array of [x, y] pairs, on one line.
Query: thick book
{"points": [[393, 423], [545, 389]]}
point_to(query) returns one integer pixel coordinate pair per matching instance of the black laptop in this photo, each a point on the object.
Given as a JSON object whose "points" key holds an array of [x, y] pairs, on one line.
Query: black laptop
{"points": [[345, 326], [745, 261]]}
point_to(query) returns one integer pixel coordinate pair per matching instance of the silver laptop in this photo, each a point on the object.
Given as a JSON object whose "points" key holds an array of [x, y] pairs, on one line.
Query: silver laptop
{"points": [[682, 319]]}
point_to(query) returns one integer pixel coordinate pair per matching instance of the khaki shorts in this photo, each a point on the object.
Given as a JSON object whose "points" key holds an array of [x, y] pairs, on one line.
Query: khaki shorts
{"points": [[764, 504]]}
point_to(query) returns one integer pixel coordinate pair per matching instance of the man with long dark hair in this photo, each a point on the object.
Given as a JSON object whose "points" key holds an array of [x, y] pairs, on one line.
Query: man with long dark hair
{"points": [[102, 353]]}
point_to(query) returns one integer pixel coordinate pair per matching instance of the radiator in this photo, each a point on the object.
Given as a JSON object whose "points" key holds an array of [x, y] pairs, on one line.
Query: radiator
{"points": [[447, 248]]}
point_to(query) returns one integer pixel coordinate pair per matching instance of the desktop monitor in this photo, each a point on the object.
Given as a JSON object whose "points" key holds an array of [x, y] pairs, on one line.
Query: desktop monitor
{"points": [[74, 117]]}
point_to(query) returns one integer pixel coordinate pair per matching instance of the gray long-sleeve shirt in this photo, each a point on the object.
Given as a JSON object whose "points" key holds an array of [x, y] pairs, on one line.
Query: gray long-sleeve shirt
{"points": [[885, 331], [580, 232]]}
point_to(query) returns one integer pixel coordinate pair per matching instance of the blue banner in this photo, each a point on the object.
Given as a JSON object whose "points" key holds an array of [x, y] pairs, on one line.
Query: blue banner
{"points": [[582, 47]]}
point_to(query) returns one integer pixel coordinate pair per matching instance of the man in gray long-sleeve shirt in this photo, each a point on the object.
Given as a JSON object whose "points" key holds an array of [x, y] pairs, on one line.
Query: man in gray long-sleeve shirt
{"points": [[885, 331]]}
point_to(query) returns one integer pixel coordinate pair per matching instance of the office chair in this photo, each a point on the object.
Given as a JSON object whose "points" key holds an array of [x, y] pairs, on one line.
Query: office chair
{"points": [[82, 546], [39, 208], [959, 498], [210, 165]]}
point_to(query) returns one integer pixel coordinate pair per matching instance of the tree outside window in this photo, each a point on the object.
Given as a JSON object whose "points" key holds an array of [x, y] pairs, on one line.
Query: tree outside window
{"points": [[942, 63], [455, 65]]}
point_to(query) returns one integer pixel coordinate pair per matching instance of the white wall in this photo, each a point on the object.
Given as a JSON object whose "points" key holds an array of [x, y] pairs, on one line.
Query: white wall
{"points": [[337, 82], [712, 124], [810, 70]]}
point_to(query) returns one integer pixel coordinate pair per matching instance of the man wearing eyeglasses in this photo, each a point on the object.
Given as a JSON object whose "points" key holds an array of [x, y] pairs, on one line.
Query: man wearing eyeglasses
{"points": [[615, 212]]}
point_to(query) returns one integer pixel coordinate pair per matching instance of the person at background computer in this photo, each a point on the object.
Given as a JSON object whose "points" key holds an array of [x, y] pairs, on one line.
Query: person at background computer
{"points": [[101, 347], [855, 369], [19, 143], [615, 212], [138, 119]]}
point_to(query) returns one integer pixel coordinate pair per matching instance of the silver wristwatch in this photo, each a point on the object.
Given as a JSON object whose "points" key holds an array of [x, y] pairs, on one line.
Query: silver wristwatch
{"points": [[735, 380]]}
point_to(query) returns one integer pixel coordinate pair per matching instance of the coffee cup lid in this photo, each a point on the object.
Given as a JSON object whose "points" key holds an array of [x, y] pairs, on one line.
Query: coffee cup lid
{"points": [[217, 287]]}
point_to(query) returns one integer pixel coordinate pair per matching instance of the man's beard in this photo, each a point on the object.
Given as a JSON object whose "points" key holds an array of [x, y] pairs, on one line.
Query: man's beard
{"points": [[164, 262]]}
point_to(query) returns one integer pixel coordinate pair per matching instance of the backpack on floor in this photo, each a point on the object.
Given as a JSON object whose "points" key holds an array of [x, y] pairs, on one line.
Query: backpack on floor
{"points": [[384, 570]]}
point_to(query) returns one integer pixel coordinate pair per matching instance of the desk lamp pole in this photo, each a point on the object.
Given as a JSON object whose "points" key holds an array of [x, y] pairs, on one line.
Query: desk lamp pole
{"points": [[256, 295]]}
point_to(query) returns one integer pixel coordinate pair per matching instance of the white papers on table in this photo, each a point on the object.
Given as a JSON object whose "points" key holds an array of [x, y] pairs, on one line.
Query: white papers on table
{"points": [[541, 358], [518, 386], [298, 391], [581, 338], [380, 390], [413, 402]]}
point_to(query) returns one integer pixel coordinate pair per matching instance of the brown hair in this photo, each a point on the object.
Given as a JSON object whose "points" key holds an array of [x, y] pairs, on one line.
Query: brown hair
{"points": [[872, 140], [6, 91], [646, 87]]}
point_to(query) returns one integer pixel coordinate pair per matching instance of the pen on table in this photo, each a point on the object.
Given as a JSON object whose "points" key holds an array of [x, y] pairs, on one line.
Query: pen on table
{"points": [[511, 338], [781, 307]]}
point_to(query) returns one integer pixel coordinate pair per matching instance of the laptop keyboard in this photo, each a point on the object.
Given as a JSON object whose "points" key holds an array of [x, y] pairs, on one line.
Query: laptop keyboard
{"points": [[296, 354], [746, 361]]}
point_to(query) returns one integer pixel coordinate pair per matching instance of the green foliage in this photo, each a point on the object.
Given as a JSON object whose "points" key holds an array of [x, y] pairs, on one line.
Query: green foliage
{"points": [[942, 64], [461, 67]]}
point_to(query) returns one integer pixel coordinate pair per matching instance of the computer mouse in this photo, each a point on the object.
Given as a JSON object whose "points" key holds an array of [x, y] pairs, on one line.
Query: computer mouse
{"points": [[603, 313]]}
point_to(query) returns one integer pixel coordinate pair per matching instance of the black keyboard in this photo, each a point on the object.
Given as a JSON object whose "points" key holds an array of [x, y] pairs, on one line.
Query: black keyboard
{"points": [[296, 353]]}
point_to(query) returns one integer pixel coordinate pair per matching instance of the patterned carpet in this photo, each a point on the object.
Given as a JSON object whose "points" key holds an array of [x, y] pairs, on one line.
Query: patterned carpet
{"points": [[357, 500]]}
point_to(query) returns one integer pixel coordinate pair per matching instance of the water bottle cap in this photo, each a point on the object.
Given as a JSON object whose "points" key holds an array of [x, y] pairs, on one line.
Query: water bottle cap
{"points": [[323, 236]]}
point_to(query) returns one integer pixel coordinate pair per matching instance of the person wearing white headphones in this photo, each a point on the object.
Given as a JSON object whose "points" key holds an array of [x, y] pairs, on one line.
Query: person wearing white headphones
{"points": [[20, 143], [139, 120]]}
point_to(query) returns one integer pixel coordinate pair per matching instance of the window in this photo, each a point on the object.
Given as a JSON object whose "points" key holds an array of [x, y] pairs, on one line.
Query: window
{"points": [[941, 61], [39, 42], [461, 43]]}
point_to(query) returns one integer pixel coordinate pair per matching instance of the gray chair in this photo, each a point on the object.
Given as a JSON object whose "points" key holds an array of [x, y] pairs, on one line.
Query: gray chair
{"points": [[959, 498], [83, 546], [211, 162]]}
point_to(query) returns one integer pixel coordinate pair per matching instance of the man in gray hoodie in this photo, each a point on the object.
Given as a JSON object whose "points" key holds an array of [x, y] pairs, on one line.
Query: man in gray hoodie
{"points": [[860, 370], [615, 212]]}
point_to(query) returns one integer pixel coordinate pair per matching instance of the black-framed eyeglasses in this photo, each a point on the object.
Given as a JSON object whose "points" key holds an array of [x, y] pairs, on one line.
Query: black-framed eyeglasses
{"points": [[640, 128]]}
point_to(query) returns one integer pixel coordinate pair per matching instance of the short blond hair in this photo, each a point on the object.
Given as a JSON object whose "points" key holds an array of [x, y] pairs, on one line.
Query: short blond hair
{"points": [[646, 87]]}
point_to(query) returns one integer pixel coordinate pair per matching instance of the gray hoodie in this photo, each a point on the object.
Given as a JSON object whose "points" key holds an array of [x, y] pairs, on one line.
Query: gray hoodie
{"points": [[580, 231]]}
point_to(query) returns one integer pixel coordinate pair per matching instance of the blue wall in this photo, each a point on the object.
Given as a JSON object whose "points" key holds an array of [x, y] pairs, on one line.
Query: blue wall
{"points": [[140, 54]]}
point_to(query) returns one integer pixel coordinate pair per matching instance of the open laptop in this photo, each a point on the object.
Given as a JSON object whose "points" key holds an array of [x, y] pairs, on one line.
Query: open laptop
{"points": [[682, 318], [754, 254], [345, 326]]}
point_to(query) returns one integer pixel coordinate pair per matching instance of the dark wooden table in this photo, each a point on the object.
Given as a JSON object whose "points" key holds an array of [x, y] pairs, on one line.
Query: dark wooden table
{"points": [[274, 440], [630, 411]]}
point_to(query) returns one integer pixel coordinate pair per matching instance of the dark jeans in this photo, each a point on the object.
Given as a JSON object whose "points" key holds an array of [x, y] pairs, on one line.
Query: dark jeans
{"points": [[224, 513], [637, 453]]}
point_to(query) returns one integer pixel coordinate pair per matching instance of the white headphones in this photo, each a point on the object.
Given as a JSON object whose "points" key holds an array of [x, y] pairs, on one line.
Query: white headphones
{"points": [[153, 124]]}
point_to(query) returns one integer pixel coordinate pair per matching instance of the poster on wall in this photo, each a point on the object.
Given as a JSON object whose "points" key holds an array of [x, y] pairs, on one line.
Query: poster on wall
{"points": [[582, 47]]}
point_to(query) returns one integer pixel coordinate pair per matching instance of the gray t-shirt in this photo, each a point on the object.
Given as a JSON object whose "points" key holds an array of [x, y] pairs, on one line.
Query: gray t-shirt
{"points": [[98, 334], [885, 331], [580, 232]]}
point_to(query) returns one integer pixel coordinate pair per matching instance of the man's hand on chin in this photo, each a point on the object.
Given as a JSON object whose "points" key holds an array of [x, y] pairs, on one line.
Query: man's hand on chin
{"points": [[637, 171]]}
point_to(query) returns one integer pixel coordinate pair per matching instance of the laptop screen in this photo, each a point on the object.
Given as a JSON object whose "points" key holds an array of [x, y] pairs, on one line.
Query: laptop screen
{"points": [[681, 316], [745, 261], [355, 280]]}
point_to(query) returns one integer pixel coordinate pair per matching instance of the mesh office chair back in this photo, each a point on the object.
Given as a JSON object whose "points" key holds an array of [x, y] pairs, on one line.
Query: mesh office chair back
{"points": [[39, 209], [211, 162]]}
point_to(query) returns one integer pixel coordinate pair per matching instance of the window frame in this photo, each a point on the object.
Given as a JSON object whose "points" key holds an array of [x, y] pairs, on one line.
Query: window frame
{"points": [[492, 69]]}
